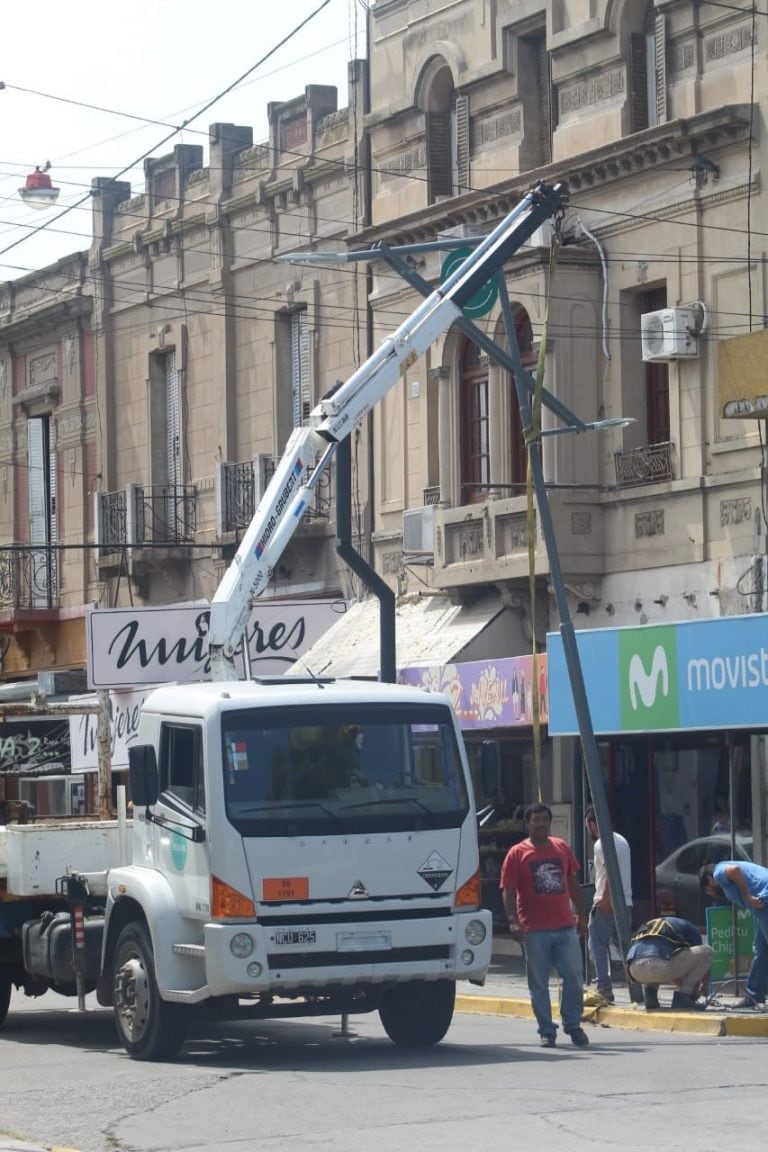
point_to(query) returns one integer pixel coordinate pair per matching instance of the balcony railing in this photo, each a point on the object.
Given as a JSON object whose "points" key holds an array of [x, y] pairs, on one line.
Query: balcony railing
{"points": [[29, 578], [431, 495], [649, 465], [136, 515], [113, 520], [242, 485], [165, 514]]}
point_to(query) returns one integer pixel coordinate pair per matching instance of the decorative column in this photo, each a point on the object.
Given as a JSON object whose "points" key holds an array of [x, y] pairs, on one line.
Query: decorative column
{"points": [[445, 445]]}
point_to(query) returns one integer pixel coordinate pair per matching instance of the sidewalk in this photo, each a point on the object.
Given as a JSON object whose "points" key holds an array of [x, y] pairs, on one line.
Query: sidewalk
{"points": [[505, 993]]}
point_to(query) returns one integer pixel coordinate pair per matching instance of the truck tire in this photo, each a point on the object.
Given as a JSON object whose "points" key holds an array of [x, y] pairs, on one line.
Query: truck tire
{"points": [[5, 997], [418, 1014], [149, 1027]]}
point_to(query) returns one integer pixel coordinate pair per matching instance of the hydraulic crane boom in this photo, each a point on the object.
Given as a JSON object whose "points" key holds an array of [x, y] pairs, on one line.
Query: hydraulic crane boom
{"points": [[289, 492]]}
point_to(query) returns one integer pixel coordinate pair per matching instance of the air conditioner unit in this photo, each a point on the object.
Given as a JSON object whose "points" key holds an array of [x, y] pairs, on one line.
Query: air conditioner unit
{"points": [[670, 334], [418, 530]]}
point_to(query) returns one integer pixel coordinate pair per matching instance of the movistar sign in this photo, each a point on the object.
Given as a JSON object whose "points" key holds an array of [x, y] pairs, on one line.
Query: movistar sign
{"points": [[665, 678]]}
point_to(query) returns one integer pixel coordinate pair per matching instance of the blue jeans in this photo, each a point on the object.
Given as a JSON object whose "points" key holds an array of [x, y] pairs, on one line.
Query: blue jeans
{"points": [[558, 949], [602, 930], [757, 981]]}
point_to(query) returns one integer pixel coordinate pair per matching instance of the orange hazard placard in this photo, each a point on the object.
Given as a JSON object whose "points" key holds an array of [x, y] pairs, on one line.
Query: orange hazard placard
{"points": [[286, 888]]}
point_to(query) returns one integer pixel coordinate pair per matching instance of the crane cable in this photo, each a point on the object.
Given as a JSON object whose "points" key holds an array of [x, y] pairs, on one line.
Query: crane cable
{"points": [[532, 438]]}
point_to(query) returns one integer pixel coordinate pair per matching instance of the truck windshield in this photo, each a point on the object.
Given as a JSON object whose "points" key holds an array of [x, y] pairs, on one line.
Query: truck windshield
{"points": [[316, 770]]}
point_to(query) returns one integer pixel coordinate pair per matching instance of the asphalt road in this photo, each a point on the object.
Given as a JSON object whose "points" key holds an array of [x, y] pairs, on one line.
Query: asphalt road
{"points": [[293, 1085]]}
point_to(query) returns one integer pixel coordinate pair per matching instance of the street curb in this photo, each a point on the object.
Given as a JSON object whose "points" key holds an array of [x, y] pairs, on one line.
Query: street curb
{"points": [[637, 1019]]}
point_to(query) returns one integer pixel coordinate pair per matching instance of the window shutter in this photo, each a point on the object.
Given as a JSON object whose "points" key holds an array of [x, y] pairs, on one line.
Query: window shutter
{"points": [[638, 78], [300, 391], [546, 123], [37, 486], [462, 144], [172, 420], [661, 69], [439, 165]]}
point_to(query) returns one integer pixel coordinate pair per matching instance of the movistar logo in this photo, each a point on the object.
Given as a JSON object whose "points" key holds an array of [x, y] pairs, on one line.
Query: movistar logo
{"points": [[645, 684], [648, 678]]}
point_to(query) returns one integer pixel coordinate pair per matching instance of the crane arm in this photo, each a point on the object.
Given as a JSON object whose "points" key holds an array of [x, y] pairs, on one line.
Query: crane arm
{"points": [[290, 490]]}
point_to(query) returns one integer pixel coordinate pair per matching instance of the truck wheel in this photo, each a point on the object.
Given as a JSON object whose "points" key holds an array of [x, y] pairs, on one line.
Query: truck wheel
{"points": [[149, 1027], [5, 997], [419, 1013]]}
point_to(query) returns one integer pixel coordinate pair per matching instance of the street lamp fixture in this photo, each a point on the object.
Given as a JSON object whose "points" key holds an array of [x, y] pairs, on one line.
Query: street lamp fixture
{"points": [[38, 191]]}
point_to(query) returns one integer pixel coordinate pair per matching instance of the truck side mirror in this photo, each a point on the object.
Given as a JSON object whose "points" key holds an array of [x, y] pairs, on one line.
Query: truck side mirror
{"points": [[142, 772], [490, 770]]}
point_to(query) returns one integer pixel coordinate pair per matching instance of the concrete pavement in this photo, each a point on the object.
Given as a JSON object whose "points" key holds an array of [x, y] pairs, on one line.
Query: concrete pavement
{"points": [[505, 993]]}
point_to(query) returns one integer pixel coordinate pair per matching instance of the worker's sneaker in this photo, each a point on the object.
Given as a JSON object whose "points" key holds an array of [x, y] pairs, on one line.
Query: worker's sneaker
{"points": [[684, 1002], [748, 1002], [579, 1038], [547, 1041], [651, 998]]}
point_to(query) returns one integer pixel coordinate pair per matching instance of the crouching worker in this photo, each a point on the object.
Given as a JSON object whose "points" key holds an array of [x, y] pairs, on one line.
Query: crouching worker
{"points": [[669, 950]]}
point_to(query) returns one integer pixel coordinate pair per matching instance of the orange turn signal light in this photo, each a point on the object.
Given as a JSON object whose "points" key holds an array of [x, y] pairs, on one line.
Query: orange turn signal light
{"points": [[229, 904], [468, 896]]}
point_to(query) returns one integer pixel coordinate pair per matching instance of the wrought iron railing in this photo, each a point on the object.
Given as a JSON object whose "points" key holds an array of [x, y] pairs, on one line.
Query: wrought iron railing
{"points": [[649, 465], [238, 496], [432, 495], [29, 578], [165, 514], [113, 520]]}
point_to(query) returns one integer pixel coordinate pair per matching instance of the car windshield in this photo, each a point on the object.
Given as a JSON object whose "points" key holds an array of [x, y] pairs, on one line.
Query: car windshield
{"points": [[340, 769]]}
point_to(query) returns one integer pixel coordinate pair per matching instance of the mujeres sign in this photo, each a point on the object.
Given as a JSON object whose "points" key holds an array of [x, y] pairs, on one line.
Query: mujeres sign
{"points": [[128, 647]]}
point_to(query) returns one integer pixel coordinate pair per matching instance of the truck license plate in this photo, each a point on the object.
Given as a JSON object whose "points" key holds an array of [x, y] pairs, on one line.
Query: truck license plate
{"points": [[368, 942], [295, 936]]}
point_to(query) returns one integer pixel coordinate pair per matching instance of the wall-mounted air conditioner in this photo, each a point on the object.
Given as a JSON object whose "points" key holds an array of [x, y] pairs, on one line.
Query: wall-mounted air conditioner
{"points": [[670, 334], [418, 531]]}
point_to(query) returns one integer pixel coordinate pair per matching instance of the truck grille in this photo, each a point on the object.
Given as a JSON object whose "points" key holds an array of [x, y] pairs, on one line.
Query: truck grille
{"points": [[280, 962]]}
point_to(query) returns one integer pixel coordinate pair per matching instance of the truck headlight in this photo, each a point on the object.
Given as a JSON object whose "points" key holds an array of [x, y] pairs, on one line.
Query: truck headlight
{"points": [[241, 945], [467, 957], [475, 932], [254, 969]]}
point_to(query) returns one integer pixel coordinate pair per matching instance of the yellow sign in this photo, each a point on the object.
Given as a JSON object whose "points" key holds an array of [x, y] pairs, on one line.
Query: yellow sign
{"points": [[742, 376]]}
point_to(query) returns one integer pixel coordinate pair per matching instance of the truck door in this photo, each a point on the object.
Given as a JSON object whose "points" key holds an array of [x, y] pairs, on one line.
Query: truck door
{"points": [[184, 862]]}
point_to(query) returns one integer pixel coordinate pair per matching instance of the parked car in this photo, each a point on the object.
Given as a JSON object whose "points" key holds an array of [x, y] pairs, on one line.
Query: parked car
{"points": [[677, 877]]}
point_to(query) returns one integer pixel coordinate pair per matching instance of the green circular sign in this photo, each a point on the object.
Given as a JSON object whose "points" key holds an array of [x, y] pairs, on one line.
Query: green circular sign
{"points": [[178, 851], [485, 297]]}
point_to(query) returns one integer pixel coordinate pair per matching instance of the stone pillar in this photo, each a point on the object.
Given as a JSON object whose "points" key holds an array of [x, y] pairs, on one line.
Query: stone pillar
{"points": [[445, 449]]}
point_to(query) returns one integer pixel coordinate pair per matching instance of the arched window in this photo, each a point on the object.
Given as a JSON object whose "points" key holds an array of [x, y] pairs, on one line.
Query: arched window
{"points": [[447, 132], [475, 461]]}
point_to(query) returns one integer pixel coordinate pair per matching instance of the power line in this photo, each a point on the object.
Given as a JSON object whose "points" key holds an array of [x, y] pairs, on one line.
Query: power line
{"points": [[170, 135]]}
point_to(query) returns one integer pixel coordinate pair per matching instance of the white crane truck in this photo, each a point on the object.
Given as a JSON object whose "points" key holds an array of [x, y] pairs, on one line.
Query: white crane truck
{"points": [[298, 848]]}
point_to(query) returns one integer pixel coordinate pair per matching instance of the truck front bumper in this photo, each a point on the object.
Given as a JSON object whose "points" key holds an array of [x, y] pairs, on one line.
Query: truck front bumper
{"points": [[248, 959]]}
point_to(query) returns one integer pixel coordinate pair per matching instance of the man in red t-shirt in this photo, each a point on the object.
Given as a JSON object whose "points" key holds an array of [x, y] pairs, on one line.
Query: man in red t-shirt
{"points": [[540, 890]]}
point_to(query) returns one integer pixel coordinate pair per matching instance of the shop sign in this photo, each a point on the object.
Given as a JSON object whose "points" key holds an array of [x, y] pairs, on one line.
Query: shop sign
{"points": [[34, 746], [720, 940], [130, 647], [698, 674], [487, 693], [124, 711]]}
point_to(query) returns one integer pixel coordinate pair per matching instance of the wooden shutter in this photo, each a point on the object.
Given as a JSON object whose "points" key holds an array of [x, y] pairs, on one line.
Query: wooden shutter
{"points": [[546, 124], [300, 393], [462, 144], [439, 166], [660, 34], [638, 79], [41, 481]]}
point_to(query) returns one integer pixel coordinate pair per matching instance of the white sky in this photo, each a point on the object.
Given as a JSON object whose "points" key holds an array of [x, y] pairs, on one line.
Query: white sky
{"points": [[158, 59]]}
